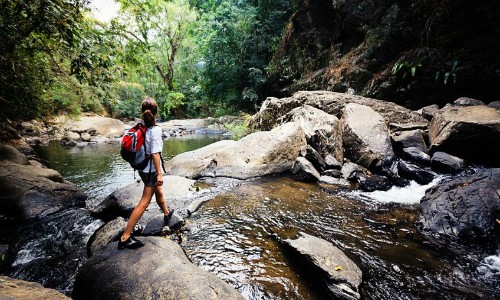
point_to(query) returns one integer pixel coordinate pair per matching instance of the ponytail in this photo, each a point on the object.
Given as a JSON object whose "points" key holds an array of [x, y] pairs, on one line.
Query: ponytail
{"points": [[149, 109], [149, 118]]}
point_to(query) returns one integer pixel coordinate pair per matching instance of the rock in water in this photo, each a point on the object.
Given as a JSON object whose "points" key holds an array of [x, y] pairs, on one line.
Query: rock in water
{"points": [[464, 208], [471, 132], [341, 275], [445, 163], [156, 224], [305, 170], [258, 154], [105, 126], [123, 201], [159, 270], [415, 173]]}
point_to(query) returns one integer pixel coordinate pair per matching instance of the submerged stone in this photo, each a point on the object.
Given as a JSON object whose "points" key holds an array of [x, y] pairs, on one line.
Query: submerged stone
{"points": [[322, 259]]}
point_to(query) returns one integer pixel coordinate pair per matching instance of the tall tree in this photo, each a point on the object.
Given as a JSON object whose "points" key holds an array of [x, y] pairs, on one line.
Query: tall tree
{"points": [[159, 28], [31, 35]]}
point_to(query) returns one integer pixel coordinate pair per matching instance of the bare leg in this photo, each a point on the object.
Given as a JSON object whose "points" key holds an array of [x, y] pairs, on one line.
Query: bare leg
{"points": [[147, 194], [160, 200]]}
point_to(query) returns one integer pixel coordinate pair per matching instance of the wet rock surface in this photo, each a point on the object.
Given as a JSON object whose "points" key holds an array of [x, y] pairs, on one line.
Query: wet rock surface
{"points": [[27, 191], [140, 274], [327, 263], [464, 208], [445, 163]]}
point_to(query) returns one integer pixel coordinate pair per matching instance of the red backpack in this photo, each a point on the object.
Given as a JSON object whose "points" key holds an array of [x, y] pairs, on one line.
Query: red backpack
{"points": [[133, 147]]}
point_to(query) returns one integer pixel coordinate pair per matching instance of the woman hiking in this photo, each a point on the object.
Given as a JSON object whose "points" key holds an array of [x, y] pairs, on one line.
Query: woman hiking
{"points": [[151, 176]]}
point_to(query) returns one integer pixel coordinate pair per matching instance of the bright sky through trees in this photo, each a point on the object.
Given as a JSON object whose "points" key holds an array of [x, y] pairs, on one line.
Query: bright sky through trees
{"points": [[104, 10]]}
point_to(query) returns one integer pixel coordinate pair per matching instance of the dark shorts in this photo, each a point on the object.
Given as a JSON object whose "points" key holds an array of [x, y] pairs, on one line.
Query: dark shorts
{"points": [[149, 179]]}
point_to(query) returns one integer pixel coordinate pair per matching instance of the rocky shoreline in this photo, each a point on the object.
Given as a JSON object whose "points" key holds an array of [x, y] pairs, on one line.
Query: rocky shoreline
{"points": [[330, 138]]}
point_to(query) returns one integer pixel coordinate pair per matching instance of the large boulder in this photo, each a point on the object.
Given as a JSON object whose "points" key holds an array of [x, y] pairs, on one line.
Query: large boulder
{"points": [[327, 263], [104, 126], [28, 191], [366, 137], [159, 270], [465, 101], [258, 154], [11, 154], [465, 208], [14, 289], [123, 201], [331, 103], [322, 130], [197, 163], [471, 132]]}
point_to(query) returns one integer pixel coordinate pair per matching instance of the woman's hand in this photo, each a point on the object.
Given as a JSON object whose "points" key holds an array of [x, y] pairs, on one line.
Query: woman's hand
{"points": [[159, 180]]}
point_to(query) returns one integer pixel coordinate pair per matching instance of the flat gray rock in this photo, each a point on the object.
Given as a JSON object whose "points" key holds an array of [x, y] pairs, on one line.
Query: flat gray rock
{"points": [[341, 275]]}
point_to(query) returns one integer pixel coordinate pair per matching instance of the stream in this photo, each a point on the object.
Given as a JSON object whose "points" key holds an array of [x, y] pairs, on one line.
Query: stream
{"points": [[236, 235]]}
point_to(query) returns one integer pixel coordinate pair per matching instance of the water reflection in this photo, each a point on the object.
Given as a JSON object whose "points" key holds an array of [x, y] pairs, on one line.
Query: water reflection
{"points": [[99, 170], [235, 236]]}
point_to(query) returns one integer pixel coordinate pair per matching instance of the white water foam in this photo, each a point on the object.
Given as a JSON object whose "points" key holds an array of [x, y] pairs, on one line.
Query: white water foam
{"points": [[490, 266], [410, 194], [25, 256]]}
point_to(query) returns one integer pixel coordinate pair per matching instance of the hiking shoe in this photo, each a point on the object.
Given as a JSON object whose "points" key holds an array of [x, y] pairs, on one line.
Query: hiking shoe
{"points": [[167, 218], [130, 243]]}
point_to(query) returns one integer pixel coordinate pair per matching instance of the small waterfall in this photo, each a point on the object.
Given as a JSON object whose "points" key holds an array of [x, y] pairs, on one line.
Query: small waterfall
{"points": [[410, 194]]}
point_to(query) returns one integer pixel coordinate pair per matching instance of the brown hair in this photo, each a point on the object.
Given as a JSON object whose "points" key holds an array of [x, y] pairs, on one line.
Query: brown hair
{"points": [[149, 109]]}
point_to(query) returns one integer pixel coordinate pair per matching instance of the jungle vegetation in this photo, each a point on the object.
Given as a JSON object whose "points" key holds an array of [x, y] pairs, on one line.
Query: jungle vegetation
{"points": [[197, 58]]}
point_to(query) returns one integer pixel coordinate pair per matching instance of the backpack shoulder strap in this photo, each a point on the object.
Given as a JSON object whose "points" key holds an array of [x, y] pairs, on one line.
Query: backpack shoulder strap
{"points": [[162, 164]]}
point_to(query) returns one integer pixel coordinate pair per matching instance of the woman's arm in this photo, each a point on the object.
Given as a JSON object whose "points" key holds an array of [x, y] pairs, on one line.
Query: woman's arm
{"points": [[156, 162]]}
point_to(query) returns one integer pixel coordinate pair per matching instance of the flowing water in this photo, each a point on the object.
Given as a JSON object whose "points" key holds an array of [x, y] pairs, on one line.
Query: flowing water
{"points": [[50, 249], [237, 234]]}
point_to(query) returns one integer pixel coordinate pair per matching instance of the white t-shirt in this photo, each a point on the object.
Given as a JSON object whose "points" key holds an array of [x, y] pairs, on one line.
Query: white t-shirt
{"points": [[154, 144]]}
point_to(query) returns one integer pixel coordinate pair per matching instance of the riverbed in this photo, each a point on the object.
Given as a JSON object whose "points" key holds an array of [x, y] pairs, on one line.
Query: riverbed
{"points": [[237, 234]]}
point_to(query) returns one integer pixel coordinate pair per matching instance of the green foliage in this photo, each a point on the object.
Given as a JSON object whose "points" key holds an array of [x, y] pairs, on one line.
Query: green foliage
{"points": [[235, 42], [44, 42], [129, 96], [196, 58], [174, 101], [446, 74], [33, 33], [406, 67], [240, 128], [67, 94]]}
